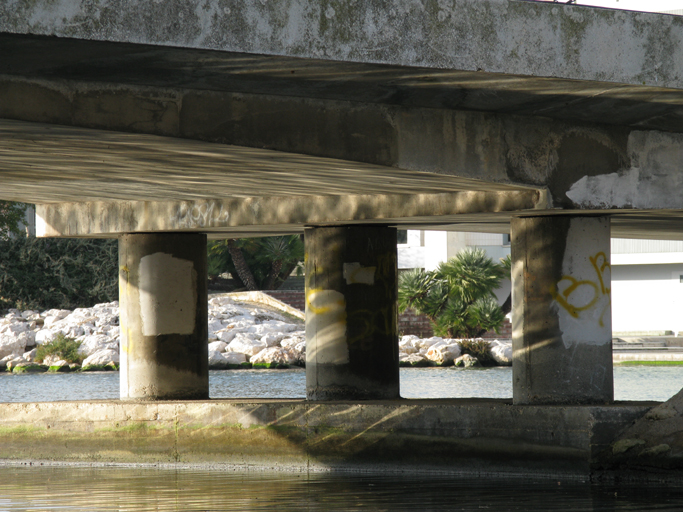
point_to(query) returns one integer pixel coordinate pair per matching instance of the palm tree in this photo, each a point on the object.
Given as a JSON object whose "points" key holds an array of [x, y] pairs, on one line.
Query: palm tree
{"points": [[458, 297], [240, 264], [279, 251], [256, 263]]}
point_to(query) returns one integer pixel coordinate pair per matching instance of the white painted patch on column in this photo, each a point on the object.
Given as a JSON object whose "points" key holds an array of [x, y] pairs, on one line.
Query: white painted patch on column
{"points": [[168, 292], [617, 189], [653, 181], [354, 273], [583, 295], [326, 320]]}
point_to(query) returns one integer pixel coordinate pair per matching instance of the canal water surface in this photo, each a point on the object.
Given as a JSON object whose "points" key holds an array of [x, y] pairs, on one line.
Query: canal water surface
{"points": [[161, 490], [630, 383]]}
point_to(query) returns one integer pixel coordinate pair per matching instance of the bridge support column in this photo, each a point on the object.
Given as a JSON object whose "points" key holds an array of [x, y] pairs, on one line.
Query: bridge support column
{"points": [[163, 315], [562, 327], [351, 313]]}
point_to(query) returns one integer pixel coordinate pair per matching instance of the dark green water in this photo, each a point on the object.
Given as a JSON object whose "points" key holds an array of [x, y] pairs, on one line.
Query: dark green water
{"points": [[161, 490]]}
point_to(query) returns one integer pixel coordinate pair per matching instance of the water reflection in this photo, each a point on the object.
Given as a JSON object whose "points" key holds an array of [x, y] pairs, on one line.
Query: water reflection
{"points": [[161, 490]]}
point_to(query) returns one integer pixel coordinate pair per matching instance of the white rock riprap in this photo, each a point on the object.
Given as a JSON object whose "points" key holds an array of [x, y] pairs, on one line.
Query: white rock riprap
{"points": [[237, 333], [436, 351], [501, 352], [97, 328], [240, 335]]}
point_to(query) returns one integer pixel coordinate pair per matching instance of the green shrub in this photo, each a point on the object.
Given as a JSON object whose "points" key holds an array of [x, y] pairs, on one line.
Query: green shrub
{"points": [[458, 297], [62, 346], [64, 273], [481, 349]]}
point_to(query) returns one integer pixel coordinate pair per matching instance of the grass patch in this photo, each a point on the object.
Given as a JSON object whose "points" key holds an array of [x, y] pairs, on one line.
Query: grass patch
{"points": [[649, 363], [63, 347]]}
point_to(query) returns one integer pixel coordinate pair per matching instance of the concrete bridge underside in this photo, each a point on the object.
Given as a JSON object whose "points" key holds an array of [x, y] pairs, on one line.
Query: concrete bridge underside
{"points": [[556, 123]]}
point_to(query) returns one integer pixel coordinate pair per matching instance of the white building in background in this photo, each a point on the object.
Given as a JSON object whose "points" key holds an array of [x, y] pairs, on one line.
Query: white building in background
{"points": [[647, 286], [647, 275], [426, 249]]}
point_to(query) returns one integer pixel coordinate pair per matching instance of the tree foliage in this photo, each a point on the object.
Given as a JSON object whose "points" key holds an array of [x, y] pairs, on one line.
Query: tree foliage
{"points": [[257, 263], [42, 273], [11, 215], [458, 297]]}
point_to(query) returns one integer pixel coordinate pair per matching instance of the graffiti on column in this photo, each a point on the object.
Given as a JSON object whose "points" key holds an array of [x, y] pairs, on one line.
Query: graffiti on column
{"points": [[579, 295]]}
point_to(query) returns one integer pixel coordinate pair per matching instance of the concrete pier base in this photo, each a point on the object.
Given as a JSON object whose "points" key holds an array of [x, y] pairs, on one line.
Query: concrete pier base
{"points": [[562, 331], [163, 315], [351, 313]]}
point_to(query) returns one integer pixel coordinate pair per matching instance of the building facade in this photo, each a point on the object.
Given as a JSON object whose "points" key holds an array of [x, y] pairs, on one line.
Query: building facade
{"points": [[647, 275]]}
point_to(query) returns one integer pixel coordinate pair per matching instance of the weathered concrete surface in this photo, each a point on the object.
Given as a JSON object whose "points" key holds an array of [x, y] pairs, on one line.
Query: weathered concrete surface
{"points": [[647, 355], [328, 138], [468, 436], [576, 161], [499, 36], [414, 117], [57, 163], [654, 443], [584, 166], [275, 214], [562, 317], [162, 291], [351, 313], [37, 70]]}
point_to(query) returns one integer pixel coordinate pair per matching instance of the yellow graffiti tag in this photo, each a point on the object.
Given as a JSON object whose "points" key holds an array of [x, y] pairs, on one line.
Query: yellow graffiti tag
{"points": [[562, 298], [321, 301], [600, 264], [582, 300]]}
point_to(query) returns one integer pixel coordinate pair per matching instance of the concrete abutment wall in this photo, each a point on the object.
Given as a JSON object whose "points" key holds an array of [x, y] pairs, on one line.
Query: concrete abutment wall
{"points": [[457, 436]]}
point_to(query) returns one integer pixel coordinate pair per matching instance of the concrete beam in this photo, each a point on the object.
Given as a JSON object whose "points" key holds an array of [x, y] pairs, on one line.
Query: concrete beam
{"points": [[37, 68], [278, 214], [498, 36], [49, 163], [419, 150]]}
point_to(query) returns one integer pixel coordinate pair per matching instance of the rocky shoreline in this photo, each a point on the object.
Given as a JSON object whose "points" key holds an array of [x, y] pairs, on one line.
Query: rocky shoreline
{"points": [[241, 335]]}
